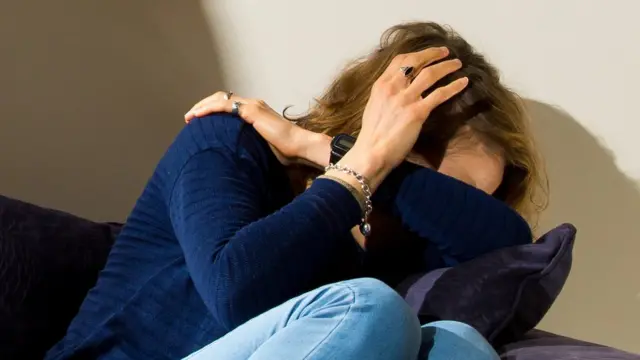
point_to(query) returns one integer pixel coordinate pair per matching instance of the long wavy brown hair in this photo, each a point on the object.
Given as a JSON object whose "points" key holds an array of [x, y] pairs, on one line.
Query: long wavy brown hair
{"points": [[487, 108]]}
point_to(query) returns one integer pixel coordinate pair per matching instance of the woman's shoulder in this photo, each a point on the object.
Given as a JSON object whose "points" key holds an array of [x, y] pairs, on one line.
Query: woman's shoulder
{"points": [[220, 131], [223, 133]]}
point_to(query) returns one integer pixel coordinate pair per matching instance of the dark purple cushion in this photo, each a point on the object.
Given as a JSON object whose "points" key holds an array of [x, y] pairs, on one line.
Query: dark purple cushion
{"points": [[48, 261], [538, 345], [502, 294]]}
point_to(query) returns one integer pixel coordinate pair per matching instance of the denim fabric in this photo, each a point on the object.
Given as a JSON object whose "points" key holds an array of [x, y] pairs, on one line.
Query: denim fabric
{"points": [[355, 319]]}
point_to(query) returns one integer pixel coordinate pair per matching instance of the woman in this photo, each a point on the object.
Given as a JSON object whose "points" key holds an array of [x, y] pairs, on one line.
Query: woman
{"points": [[217, 238]]}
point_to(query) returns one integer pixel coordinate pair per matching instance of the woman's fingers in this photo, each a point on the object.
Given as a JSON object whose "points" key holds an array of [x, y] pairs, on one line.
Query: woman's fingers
{"points": [[206, 107], [441, 94], [430, 55], [416, 60], [430, 75], [212, 105], [220, 95]]}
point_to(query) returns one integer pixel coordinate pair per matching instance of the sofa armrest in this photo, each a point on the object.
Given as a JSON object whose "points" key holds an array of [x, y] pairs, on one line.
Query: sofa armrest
{"points": [[48, 262]]}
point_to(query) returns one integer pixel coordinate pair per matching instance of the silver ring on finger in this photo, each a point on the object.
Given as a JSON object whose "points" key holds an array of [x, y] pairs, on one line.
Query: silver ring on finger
{"points": [[407, 71], [228, 95], [235, 108]]}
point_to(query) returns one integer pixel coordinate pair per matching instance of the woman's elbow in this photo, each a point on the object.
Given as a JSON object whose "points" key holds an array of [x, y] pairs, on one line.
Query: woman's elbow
{"points": [[229, 305]]}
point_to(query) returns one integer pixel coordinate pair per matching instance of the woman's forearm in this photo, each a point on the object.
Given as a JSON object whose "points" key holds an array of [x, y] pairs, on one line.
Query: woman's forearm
{"points": [[461, 220], [424, 199], [316, 149]]}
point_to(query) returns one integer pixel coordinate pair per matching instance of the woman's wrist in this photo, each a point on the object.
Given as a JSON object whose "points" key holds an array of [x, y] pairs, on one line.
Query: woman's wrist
{"points": [[314, 149], [366, 163]]}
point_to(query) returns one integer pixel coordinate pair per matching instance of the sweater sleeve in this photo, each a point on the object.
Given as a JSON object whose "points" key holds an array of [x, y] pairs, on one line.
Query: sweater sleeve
{"points": [[242, 260], [460, 220]]}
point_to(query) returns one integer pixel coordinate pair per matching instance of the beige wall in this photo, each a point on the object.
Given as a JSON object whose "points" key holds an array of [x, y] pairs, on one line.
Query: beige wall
{"points": [[91, 94]]}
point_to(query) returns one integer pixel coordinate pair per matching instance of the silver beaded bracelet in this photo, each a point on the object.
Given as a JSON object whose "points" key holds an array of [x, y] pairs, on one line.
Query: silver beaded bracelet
{"points": [[365, 227]]}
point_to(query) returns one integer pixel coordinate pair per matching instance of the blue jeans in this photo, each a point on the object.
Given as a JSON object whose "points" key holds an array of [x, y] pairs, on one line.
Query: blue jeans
{"points": [[355, 319]]}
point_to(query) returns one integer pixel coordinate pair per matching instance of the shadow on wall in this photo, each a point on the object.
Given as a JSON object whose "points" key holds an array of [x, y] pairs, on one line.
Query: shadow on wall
{"points": [[588, 190], [91, 95]]}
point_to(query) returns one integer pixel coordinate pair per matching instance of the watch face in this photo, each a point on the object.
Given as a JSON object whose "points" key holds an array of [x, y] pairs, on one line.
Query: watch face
{"points": [[340, 145], [346, 142]]}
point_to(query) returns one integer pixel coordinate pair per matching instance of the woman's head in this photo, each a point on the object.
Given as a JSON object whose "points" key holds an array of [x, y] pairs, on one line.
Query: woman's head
{"points": [[486, 110]]}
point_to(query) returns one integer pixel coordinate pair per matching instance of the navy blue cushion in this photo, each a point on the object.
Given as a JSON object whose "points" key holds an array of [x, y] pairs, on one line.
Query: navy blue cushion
{"points": [[502, 294], [48, 261]]}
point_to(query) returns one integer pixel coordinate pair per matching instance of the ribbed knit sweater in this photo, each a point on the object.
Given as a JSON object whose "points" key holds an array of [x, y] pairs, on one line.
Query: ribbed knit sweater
{"points": [[217, 237]]}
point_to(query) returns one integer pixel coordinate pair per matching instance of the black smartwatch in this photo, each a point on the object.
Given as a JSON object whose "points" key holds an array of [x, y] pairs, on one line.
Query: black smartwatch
{"points": [[340, 145]]}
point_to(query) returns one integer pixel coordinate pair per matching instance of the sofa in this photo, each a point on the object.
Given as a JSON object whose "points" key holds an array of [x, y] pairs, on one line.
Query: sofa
{"points": [[50, 259]]}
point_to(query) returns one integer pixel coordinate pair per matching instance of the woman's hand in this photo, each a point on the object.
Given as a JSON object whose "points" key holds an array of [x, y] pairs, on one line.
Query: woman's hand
{"points": [[290, 143], [396, 111]]}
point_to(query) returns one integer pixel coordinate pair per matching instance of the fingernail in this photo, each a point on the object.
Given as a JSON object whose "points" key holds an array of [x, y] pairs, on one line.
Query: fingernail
{"points": [[464, 80], [444, 50]]}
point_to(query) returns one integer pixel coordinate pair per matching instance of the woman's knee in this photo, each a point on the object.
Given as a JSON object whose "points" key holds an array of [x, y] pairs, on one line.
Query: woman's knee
{"points": [[385, 316], [377, 293], [379, 308], [454, 340], [371, 299]]}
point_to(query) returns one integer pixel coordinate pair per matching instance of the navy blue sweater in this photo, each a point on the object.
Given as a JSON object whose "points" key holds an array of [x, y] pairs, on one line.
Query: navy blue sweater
{"points": [[217, 238]]}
